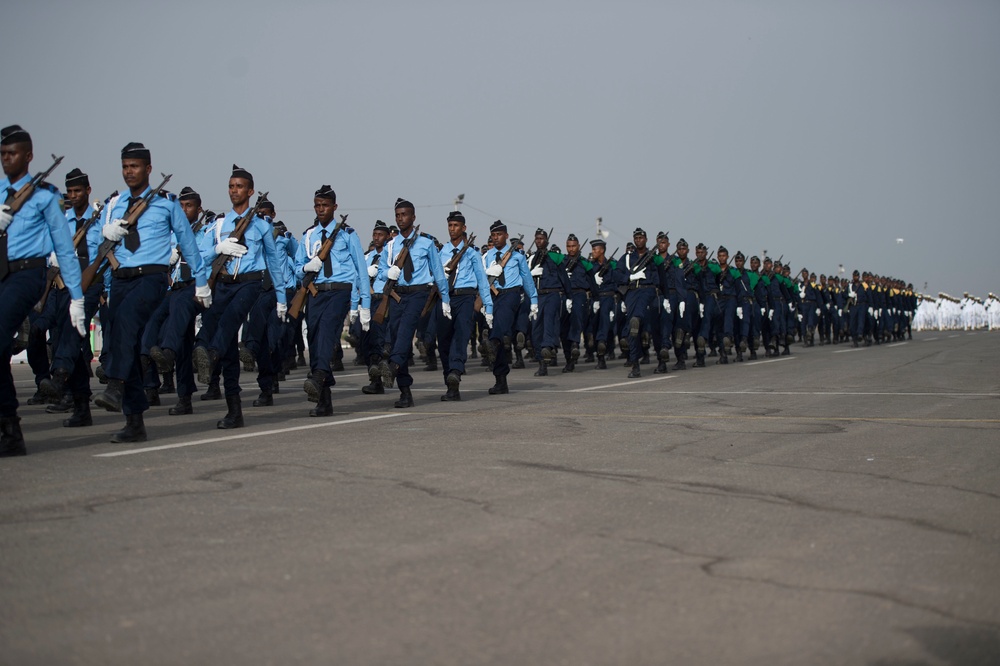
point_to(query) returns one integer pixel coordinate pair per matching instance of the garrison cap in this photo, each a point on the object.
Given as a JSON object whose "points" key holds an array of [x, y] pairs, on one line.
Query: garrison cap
{"points": [[380, 226], [739, 255], [722, 248], [682, 243], [542, 232], [187, 194], [629, 247], [134, 150], [572, 237], [456, 215], [326, 192], [14, 134], [661, 234], [755, 258], [701, 246], [240, 172], [598, 242], [266, 205], [403, 203], [77, 177], [499, 227], [555, 248], [393, 228], [638, 232]]}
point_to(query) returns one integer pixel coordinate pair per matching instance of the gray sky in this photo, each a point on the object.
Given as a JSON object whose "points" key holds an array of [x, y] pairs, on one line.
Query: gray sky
{"points": [[822, 131]]}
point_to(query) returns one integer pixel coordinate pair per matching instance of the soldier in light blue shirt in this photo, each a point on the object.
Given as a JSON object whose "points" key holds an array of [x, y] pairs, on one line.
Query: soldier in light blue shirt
{"points": [[374, 340]]}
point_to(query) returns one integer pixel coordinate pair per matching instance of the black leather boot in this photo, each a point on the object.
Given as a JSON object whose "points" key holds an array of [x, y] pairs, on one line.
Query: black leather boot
{"points": [[134, 430], [111, 398], [204, 363], [265, 399], [153, 397], [163, 358], [212, 392], [324, 407], [602, 364], [61, 406], [183, 406], [314, 385], [11, 439], [500, 388], [55, 386], [81, 413], [635, 371], [405, 399], [167, 384], [452, 381], [234, 417]]}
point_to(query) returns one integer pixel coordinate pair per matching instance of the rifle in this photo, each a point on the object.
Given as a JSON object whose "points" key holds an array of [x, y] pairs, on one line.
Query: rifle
{"points": [[295, 307], [574, 260], [535, 261], [106, 251], [53, 276], [390, 285], [607, 264], [452, 274], [503, 263], [199, 224], [641, 265], [242, 223], [22, 195]]}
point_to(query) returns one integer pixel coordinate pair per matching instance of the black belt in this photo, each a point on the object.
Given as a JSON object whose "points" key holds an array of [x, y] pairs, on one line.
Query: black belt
{"points": [[641, 286], [255, 276], [550, 291], [333, 286], [139, 271], [464, 291], [16, 265], [607, 293], [577, 290], [181, 284], [412, 289], [723, 297], [508, 289]]}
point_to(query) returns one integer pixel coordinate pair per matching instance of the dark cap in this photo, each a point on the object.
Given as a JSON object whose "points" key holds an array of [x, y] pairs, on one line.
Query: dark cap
{"points": [[135, 151], [701, 246], [739, 255], [14, 134], [240, 172], [380, 226], [456, 215], [498, 226], [572, 237], [598, 242], [326, 192], [722, 248], [187, 194], [681, 243], [77, 177], [541, 232], [403, 203], [638, 232], [661, 234]]}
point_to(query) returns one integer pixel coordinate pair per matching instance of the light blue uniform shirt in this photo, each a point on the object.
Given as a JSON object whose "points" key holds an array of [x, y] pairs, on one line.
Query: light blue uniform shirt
{"points": [[427, 266], [39, 228], [261, 251], [347, 260], [287, 247], [516, 273], [94, 236], [380, 259], [161, 217], [469, 272]]}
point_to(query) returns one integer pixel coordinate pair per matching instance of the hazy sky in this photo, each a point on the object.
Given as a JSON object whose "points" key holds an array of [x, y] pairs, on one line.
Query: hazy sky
{"points": [[822, 131]]}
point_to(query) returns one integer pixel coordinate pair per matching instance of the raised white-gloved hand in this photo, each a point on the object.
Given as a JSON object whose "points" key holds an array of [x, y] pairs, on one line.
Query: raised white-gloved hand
{"points": [[352, 316], [282, 310], [489, 320], [394, 272], [5, 217], [739, 312], [372, 271], [666, 306], [791, 307], [681, 307], [569, 305], [313, 265], [446, 310], [537, 271], [641, 275], [701, 309], [596, 307], [799, 316], [203, 295], [624, 307], [533, 312], [230, 247], [77, 317], [599, 279], [447, 269], [115, 230], [365, 315], [770, 314], [817, 312], [175, 256], [494, 270]]}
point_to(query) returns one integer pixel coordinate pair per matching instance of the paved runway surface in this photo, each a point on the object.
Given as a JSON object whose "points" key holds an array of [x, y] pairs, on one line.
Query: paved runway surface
{"points": [[836, 507]]}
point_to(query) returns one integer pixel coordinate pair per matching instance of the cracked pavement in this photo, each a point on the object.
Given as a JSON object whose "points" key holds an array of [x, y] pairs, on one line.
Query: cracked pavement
{"points": [[825, 509]]}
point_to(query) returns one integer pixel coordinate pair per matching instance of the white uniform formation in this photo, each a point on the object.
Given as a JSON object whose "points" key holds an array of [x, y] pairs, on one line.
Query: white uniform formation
{"points": [[947, 313]]}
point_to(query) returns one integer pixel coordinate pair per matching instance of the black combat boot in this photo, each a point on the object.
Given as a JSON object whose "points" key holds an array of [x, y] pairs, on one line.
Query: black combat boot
{"points": [[324, 407], [543, 369], [212, 392], [247, 358], [234, 417], [134, 430], [388, 370], [661, 368], [101, 375], [518, 360], [265, 399], [699, 359], [111, 398], [81, 413], [163, 358], [11, 439], [55, 386], [39, 398], [500, 387], [405, 399], [61, 406], [374, 381], [167, 383], [602, 364], [452, 381], [680, 364], [204, 363], [570, 366], [314, 385], [153, 397], [183, 406], [635, 371]]}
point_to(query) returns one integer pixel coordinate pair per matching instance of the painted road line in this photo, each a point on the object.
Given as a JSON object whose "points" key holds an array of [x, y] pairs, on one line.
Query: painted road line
{"points": [[773, 360], [634, 381], [845, 351], [898, 344]]}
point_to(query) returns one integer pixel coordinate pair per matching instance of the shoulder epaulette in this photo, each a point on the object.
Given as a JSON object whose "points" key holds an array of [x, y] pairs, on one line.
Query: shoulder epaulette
{"points": [[169, 196], [48, 186], [556, 257], [349, 230], [658, 260], [428, 236], [113, 195], [586, 264]]}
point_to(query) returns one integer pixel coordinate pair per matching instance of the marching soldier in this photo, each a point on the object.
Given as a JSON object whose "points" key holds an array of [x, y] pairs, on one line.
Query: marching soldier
{"points": [[641, 273], [373, 341], [604, 305], [552, 286]]}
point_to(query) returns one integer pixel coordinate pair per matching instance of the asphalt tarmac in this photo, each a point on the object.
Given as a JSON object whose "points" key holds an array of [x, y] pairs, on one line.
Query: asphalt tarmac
{"points": [[838, 506]]}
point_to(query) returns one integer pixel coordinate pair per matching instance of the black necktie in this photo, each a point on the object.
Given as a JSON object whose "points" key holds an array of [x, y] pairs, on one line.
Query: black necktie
{"points": [[132, 238], [327, 264], [500, 278], [4, 266], [408, 262], [83, 252]]}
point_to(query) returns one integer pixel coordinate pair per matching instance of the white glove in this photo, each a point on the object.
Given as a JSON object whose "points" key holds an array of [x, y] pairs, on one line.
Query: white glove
{"points": [[763, 312], [817, 312], [77, 317], [641, 275], [494, 270], [666, 306], [827, 306], [799, 317], [313, 265], [536, 271], [365, 315], [596, 307], [611, 316], [840, 313], [701, 309], [533, 312], [871, 313], [739, 312], [282, 310], [5, 217], [489, 320], [230, 247], [446, 310], [175, 256], [394, 272], [791, 307], [569, 305], [447, 269], [770, 314], [624, 308], [682, 307], [203, 295], [115, 230], [372, 271], [599, 279], [53, 260], [352, 316]]}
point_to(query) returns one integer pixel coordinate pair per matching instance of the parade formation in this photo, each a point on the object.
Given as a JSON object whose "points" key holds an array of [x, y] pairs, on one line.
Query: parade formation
{"points": [[187, 297]]}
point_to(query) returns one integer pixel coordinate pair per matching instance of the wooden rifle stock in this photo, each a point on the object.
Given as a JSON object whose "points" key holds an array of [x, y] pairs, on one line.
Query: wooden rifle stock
{"points": [[16, 202], [452, 266], [390, 285], [503, 264], [607, 264], [53, 276], [241, 225], [307, 286]]}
